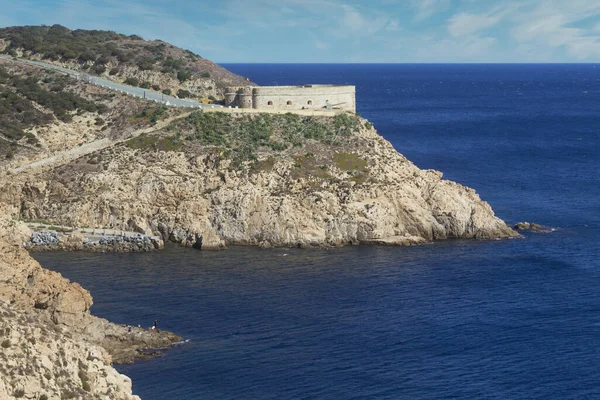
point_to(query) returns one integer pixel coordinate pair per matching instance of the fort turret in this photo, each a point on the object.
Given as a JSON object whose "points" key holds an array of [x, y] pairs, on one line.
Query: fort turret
{"points": [[231, 97], [245, 97]]}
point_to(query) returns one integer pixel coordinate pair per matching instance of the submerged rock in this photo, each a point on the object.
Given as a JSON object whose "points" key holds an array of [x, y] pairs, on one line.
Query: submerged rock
{"points": [[530, 226]]}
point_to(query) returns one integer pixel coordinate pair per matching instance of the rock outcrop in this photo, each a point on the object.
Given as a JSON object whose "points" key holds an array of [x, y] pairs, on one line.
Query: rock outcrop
{"points": [[533, 227], [50, 345], [40, 360], [360, 191], [48, 240]]}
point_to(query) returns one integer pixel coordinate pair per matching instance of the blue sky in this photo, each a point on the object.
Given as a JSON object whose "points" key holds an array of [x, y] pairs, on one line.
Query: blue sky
{"points": [[340, 30]]}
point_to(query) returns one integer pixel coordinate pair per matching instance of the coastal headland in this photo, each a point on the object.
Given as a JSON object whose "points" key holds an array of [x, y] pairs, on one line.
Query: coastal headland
{"points": [[131, 174]]}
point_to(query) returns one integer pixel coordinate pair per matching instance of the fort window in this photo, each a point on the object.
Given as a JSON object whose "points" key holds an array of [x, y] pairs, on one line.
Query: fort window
{"points": [[269, 103], [309, 102], [289, 103]]}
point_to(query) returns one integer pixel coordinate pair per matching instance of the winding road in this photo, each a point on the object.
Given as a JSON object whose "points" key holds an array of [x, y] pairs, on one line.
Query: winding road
{"points": [[119, 87]]}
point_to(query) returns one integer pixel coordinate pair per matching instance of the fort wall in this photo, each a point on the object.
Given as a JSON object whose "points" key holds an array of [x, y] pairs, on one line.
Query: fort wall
{"points": [[307, 97], [310, 113]]}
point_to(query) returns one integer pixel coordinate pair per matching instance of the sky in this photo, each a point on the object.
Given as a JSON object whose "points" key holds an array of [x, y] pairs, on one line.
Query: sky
{"points": [[340, 31]]}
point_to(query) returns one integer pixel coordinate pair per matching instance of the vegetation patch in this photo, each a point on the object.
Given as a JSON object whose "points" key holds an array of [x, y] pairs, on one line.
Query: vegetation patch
{"points": [[245, 135], [350, 162], [95, 50], [307, 167], [151, 115], [144, 142], [265, 165], [19, 94], [354, 164]]}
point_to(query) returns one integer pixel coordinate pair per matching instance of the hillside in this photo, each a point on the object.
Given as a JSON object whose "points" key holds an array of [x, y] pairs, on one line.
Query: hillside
{"points": [[153, 64], [259, 179], [43, 111]]}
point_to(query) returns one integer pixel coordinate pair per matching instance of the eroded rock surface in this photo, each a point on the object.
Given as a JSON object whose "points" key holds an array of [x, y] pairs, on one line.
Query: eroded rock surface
{"points": [[39, 359], [358, 191], [50, 344]]}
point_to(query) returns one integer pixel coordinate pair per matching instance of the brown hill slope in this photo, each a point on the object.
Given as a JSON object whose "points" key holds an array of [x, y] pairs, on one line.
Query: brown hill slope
{"points": [[151, 64], [43, 111]]}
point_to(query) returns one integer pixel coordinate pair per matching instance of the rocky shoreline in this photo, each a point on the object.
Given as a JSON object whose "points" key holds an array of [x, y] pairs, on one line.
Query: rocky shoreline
{"points": [[50, 345]]}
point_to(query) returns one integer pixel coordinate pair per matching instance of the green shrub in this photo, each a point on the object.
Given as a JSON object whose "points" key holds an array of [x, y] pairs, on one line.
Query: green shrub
{"points": [[18, 112], [132, 81], [153, 114], [167, 92], [245, 135], [146, 64], [183, 94], [183, 75], [99, 69]]}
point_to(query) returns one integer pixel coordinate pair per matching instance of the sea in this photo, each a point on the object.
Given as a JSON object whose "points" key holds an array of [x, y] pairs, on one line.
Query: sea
{"points": [[457, 319]]}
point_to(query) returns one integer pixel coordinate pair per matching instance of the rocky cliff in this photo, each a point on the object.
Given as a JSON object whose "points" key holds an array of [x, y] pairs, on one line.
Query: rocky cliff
{"points": [[38, 360], [346, 186], [50, 345]]}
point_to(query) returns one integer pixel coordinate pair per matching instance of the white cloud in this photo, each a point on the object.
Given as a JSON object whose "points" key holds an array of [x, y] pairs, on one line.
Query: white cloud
{"points": [[321, 45], [465, 24], [427, 8], [552, 24], [353, 22], [393, 26]]}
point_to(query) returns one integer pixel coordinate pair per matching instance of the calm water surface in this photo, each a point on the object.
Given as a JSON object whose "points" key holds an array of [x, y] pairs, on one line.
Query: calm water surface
{"points": [[516, 319]]}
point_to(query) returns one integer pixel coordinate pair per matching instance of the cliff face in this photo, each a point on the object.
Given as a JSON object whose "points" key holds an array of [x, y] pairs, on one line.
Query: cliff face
{"points": [[356, 190], [28, 287], [50, 344], [39, 360]]}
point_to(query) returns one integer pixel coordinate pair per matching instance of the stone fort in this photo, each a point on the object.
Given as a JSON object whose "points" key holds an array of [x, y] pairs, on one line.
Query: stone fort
{"points": [[305, 97]]}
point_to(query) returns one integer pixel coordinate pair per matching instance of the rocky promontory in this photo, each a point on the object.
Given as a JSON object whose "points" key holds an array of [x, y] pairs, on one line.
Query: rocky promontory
{"points": [[50, 345], [265, 180]]}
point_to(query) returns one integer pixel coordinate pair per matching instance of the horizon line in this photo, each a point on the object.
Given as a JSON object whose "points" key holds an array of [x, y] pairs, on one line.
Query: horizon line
{"points": [[411, 63]]}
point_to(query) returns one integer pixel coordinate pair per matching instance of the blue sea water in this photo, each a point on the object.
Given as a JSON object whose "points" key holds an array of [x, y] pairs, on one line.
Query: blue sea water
{"points": [[512, 319]]}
